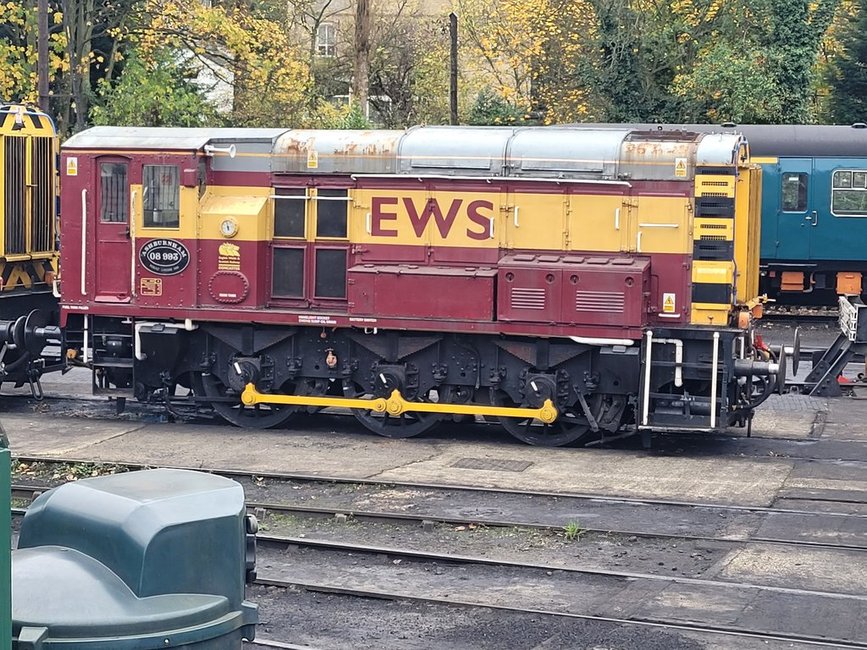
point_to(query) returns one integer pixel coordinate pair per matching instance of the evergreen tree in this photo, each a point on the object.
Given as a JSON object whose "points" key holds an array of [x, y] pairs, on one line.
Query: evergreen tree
{"points": [[848, 75]]}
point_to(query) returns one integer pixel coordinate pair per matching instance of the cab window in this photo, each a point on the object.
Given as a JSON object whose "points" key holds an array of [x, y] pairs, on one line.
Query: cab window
{"points": [[161, 196]]}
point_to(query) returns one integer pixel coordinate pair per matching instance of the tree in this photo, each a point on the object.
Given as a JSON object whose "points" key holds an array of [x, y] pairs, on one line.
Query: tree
{"points": [[847, 73], [361, 71], [251, 54], [755, 59], [18, 32], [161, 92]]}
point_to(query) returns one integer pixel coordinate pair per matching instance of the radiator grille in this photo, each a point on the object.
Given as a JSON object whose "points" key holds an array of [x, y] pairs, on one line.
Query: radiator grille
{"points": [[42, 196], [600, 301], [15, 192], [527, 298]]}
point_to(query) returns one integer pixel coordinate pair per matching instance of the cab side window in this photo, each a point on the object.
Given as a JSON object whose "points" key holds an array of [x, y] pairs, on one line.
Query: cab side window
{"points": [[161, 196], [113, 192]]}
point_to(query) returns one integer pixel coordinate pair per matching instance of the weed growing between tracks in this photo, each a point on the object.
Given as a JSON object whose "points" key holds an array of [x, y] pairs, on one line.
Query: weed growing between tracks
{"points": [[55, 474]]}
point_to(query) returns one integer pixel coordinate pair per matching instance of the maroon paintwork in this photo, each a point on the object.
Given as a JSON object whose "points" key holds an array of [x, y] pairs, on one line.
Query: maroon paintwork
{"points": [[422, 291], [417, 287], [573, 289]]}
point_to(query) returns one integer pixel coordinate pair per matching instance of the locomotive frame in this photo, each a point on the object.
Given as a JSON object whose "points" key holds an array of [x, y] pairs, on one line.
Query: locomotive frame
{"points": [[564, 281]]}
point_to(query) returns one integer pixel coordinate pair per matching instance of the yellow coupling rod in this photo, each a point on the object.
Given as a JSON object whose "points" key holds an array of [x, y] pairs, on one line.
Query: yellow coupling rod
{"points": [[396, 404]]}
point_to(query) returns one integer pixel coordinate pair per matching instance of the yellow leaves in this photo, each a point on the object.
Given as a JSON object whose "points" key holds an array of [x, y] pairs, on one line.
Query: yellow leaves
{"points": [[268, 75]]}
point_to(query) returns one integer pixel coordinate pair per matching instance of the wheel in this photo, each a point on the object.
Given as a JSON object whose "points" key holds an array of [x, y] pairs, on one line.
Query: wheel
{"points": [[405, 425], [570, 427], [259, 416]]}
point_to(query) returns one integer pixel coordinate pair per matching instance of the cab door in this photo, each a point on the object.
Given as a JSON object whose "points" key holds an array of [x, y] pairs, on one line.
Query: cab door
{"points": [[112, 263], [796, 218]]}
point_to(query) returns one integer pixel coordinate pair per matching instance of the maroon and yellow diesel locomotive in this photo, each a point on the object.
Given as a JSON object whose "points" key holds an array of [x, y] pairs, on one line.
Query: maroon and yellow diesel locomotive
{"points": [[565, 281]]}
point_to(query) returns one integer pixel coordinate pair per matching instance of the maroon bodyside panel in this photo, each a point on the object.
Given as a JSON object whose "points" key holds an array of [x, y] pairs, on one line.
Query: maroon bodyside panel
{"points": [[574, 290], [410, 291], [233, 273], [670, 273]]}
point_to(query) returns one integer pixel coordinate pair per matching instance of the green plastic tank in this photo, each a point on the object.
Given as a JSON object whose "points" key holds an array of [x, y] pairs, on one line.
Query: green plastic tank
{"points": [[150, 559], [5, 557]]}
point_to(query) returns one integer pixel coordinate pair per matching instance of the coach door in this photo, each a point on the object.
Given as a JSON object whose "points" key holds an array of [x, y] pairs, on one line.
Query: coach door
{"points": [[112, 263], [796, 218]]}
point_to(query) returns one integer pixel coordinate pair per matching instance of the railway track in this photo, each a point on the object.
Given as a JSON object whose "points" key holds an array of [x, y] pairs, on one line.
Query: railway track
{"points": [[427, 573], [422, 503], [807, 315], [402, 574]]}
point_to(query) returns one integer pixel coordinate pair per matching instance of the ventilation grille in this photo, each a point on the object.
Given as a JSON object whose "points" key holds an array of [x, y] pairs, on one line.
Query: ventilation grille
{"points": [[41, 209], [600, 301], [14, 194], [526, 298]]}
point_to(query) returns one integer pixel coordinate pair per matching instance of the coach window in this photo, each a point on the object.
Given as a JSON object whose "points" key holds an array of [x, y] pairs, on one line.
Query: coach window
{"points": [[113, 193], [290, 208], [161, 196], [794, 192], [849, 193]]}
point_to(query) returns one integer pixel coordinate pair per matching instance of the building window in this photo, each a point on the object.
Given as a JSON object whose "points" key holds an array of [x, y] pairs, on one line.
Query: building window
{"points": [[326, 38], [161, 196], [849, 193], [794, 192], [113, 193]]}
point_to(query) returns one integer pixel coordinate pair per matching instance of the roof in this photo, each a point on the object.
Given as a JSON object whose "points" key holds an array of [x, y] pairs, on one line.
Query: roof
{"points": [[807, 140], [172, 138]]}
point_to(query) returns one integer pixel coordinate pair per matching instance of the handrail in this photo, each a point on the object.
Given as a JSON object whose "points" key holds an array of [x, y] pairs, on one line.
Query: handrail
{"points": [[83, 242]]}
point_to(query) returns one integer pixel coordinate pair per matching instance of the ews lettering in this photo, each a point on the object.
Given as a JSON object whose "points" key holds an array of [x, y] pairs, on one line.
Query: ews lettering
{"points": [[385, 216]]}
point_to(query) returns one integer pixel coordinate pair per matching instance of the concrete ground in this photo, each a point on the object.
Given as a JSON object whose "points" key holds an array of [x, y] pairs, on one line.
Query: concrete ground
{"points": [[732, 470]]}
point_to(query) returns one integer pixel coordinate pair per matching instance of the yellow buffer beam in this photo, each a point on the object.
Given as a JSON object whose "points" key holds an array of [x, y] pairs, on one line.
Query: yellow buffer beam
{"points": [[396, 404]]}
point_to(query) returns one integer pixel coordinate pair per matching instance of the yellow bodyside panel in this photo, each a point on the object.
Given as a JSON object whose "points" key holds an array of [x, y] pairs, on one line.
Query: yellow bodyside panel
{"points": [[598, 223], [662, 224], [189, 208], [536, 221], [418, 217], [249, 207]]}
